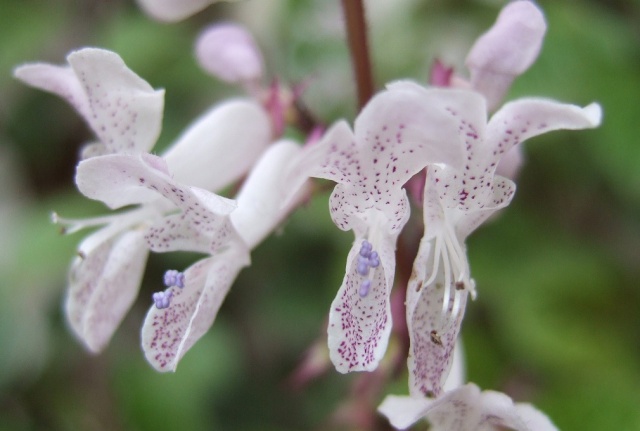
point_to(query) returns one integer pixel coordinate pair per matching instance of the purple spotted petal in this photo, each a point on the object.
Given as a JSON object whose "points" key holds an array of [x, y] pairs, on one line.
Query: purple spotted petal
{"points": [[221, 145], [102, 287], [430, 353], [359, 326], [167, 334], [123, 110], [202, 224], [522, 119], [173, 10], [507, 50]]}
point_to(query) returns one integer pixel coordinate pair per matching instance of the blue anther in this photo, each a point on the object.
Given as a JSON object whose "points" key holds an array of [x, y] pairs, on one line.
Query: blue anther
{"points": [[374, 260], [364, 288], [174, 278], [363, 265], [365, 249], [162, 299]]}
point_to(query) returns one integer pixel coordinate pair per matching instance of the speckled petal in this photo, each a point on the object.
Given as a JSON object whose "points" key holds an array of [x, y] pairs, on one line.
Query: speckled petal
{"points": [[125, 111], [118, 180], [359, 326], [220, 146], [167, 334], [430, 358], [522, 119], [173, 10], [103, 286]]}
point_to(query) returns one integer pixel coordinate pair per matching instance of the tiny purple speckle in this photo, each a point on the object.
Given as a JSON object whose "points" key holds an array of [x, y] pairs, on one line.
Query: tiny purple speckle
{"points": [[162, 299], [174, 278], [364, 288]]}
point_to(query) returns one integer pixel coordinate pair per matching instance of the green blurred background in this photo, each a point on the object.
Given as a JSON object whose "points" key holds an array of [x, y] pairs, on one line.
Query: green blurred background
{"points": [[556, 322]]}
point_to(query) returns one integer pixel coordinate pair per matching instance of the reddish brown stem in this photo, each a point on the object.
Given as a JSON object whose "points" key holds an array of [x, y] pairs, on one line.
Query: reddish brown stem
{"points": [[357, 38]]}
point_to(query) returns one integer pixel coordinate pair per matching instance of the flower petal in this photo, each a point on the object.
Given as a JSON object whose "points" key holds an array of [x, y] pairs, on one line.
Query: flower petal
{"points": [[103, 286], [522, 119], [120, 179], [122, 109], [507, 50], [458, 410], [359, 326], [125, 111], [534, 418], [229, 52], [431, 345], [220, 146], [263, 200], [173, 10], [167, 334], [59, 80], [403, 411]]}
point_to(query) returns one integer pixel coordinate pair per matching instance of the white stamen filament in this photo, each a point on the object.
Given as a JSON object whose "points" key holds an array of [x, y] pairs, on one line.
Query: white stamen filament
{"points": [[449, 251]]}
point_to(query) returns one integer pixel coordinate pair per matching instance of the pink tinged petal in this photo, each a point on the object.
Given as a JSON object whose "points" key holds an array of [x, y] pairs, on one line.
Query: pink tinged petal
{"points": [[507, 50], [173, 10], [59, 80], [124, 110], [263, 200], [359, 325], [229, 52], [432, 336], [220, 146], [167, 334], [103, 286]]}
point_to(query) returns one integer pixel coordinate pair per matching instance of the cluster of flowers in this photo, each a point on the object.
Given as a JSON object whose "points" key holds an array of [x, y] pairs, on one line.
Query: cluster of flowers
{"points": [[453, 129]]}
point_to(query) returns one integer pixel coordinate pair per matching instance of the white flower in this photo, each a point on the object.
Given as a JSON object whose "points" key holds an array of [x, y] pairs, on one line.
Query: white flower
{"points": [[126, 113], [262, 203], [457, 199], [397, 134]]}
